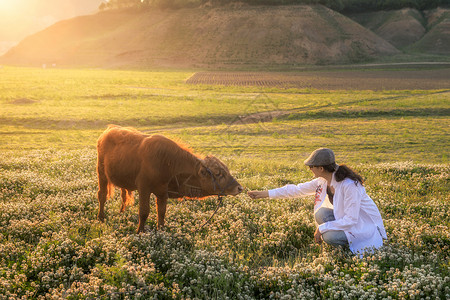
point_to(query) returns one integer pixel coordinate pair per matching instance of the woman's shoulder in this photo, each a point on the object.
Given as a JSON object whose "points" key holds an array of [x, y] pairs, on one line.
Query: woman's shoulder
{"points": [[316, 182], [319, 180]]}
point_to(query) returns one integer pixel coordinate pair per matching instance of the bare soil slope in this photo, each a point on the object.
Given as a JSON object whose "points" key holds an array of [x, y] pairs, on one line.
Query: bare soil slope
{"points": [[253, 36]]}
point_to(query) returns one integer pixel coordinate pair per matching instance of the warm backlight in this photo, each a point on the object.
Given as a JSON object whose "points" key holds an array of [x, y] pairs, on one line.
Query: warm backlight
{"points": [[9, 6]]}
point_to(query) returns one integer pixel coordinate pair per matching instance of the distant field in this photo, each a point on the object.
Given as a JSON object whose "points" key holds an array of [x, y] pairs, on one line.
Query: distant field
{"points": [[52, 246], [337, 80], [68, 109]]}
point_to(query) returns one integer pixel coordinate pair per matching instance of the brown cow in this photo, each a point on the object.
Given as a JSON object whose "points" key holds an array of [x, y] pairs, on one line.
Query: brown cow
{"points": [[132, 161]]}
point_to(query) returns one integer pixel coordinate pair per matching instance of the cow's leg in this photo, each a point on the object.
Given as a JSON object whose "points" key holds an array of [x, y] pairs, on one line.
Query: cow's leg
{"points": [[144, 207], [127, 199], [102, 189], [161, 204]]}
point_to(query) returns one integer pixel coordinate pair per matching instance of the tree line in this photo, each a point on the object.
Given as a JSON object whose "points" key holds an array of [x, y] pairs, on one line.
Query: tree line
{"points": [[339, 5]]}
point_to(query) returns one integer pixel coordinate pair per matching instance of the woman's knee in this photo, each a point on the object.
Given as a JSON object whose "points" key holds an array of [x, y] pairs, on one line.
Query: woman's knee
{"points": [[323, 215], [335, 238]]}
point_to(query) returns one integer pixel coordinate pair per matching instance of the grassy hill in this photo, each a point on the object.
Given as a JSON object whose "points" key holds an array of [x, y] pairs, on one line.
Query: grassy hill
{"points": [[437, 39], [399, 27], [245, 36], [411, 30]]}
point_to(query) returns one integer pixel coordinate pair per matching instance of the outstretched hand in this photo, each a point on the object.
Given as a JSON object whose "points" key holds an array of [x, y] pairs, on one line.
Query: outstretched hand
{"points": [[258, 194]]}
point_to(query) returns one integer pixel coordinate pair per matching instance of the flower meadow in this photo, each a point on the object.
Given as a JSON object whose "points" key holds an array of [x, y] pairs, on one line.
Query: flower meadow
{"points": [[52, 246]]}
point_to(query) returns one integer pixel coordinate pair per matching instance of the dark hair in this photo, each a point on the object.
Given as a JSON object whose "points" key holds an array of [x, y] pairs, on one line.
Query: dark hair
{"points": [[343, 172]]}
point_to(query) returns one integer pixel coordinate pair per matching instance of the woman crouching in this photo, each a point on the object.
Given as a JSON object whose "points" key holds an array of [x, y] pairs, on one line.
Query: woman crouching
{"points": [[354, 221]]}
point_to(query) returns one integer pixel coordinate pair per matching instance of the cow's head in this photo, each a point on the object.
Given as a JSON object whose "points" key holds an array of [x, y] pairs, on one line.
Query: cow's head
{"points": [[215, 178]]}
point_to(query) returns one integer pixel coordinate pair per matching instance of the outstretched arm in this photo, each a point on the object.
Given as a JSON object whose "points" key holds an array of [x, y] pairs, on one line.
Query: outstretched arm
{"points": [[258, 194], [288, 191]]}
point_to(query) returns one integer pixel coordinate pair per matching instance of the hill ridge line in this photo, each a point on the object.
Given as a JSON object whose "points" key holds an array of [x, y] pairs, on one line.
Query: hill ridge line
{"points": [[248, 37]]}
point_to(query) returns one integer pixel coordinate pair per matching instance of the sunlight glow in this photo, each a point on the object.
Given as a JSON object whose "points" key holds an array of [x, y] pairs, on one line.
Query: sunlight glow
{"points": [[20, 18], [16, 8], [7, 6]]}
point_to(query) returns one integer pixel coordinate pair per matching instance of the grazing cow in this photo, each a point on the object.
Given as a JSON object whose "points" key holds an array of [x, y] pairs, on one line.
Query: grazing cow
{"points": [[131, 160]]}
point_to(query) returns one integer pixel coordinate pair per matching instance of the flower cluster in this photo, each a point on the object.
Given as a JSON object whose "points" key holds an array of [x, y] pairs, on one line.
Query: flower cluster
{"points": [[52, 246]]}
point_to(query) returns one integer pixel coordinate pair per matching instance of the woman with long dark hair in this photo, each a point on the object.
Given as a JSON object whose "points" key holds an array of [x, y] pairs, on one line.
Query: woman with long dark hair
{"points": [[354, 221]]}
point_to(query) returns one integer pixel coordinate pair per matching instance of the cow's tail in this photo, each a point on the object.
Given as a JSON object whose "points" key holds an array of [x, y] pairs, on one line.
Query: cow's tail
{"points": [[127, 199], [110, 193], [104, 184]]}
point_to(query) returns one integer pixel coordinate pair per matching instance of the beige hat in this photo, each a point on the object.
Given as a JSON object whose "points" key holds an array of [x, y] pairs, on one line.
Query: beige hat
{"points": [[320, 157]]}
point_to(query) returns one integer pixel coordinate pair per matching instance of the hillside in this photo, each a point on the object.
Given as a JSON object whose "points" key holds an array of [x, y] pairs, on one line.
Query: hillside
{"points": [[437, 39], [411, 30], [399, 27], [250, 36]]}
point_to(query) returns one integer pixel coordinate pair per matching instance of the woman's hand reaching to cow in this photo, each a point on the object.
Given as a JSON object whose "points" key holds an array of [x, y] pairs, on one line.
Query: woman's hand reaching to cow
{"points": [[258, 194]]}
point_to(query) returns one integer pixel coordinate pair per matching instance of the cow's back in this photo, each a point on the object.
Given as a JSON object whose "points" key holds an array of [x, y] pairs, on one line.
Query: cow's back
{"points": [[117, 149]]}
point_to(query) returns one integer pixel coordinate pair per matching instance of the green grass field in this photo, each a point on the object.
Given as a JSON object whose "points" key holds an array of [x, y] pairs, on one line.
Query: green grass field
{"points": [[52, 245]]}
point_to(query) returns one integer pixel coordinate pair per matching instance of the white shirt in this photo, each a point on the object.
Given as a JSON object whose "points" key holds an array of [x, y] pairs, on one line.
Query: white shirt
{"points": [[355, 212]]}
